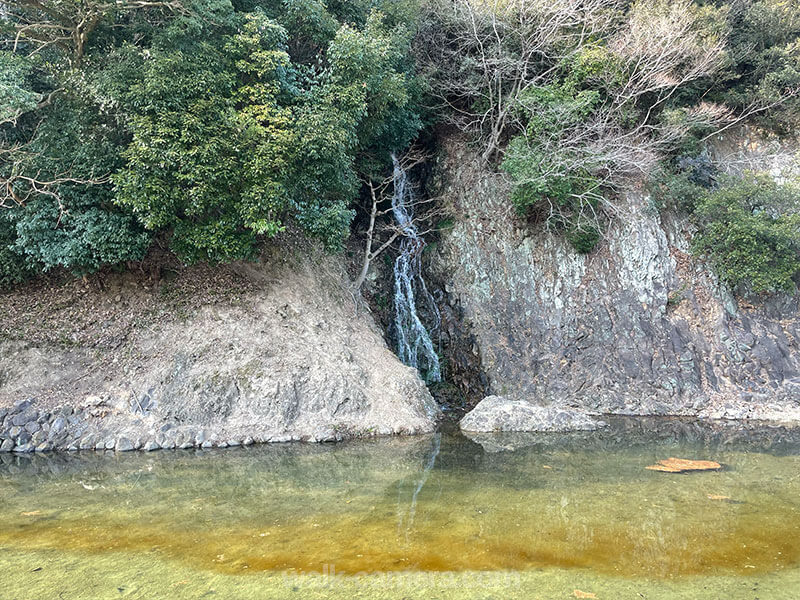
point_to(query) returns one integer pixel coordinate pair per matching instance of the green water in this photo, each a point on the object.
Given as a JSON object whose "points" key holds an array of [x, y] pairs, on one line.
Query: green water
{"points": [[441, 516]]}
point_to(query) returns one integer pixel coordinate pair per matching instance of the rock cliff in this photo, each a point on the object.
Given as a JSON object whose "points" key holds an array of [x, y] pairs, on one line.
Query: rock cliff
{"points": [[638, 326], [272, 351]]}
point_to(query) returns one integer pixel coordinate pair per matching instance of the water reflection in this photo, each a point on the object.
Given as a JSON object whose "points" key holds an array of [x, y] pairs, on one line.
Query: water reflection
{"points": [[430, 503]]}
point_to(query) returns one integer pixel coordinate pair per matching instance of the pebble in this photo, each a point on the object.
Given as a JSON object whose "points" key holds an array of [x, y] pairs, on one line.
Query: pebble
{"points": [[151, 445], [7, 445]]}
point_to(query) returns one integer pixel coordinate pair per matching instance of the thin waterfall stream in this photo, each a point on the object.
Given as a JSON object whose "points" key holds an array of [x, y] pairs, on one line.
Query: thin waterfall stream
{"points": [[414, 343]]}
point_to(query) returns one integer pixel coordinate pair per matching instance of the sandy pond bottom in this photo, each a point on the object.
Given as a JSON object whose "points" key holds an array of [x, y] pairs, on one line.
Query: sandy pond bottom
{"points": [[441, 516]]}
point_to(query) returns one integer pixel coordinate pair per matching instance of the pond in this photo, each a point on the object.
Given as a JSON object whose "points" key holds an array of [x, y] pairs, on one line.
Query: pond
{"points": [[439, 516]]}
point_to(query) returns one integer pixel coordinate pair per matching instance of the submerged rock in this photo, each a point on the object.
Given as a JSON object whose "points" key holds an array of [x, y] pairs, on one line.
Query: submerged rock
{"points": [[495, 413]]}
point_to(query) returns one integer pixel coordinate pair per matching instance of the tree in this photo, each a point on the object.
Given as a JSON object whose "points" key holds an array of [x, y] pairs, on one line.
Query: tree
{"points": [[571, 96]]}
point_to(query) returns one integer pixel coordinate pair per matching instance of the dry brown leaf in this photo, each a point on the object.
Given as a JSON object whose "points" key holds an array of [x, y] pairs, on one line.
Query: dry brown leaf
{"points": [[32, 513], [718, 497], [680, 465], [580, 594]]}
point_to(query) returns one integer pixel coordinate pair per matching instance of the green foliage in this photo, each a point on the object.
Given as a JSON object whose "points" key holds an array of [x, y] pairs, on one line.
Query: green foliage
{"points": [[680, 184], [750, 233], [16, 97], [217, 124], [13, 267], [764, 61], [583, 239], [74, 225], [551, 178]]}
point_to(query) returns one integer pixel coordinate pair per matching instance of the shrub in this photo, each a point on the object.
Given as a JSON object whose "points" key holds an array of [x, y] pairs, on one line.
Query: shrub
{"points": [[13, 267], [748, 232]]}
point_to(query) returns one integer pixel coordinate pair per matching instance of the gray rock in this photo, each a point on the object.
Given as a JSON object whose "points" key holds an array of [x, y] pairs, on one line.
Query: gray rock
{"points": [[22, 405], [7, 445], [32, 427], [207, 444], [87, 443], [248, 441], [151, 445], [22, 419], [270, 378], [38, 437], [110, 443], [638, 326], [201, 437], [124, 444], [59, 424], [23, 448], [232, 443], [44, 447], [495, 413], [57, 439], [23, 438], [165, 441]]}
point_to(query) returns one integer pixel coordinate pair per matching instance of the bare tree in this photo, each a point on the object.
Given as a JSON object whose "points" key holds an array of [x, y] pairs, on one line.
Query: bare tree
{"points": [[493, 62], [65, 24], [484, 55]]}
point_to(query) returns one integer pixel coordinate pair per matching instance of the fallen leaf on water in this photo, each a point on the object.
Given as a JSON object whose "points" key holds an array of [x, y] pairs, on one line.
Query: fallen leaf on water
{"points": [[718, 497], [32, 513], [546, 467], [580, 594], [177, 583], [679, 465]]}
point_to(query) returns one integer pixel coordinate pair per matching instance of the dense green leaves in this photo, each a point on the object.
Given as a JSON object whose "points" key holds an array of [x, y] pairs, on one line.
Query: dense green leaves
{"points": [[750, 230], [214, 123]]}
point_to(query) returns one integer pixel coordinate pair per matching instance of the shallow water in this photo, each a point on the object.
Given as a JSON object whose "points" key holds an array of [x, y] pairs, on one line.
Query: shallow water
{"points": [[442, 516]]}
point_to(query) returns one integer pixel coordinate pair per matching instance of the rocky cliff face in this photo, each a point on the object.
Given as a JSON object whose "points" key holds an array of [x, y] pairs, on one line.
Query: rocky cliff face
{"points": [[267, 352], [636, 327]]}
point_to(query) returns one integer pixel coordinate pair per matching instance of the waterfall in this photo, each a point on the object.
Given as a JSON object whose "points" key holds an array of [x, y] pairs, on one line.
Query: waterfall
{"points": [[414, 344]]}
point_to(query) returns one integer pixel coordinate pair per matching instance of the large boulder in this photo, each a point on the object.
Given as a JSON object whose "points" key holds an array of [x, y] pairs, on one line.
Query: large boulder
{"points": [[495, 413]]}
